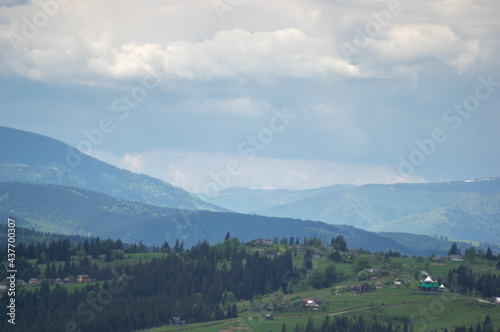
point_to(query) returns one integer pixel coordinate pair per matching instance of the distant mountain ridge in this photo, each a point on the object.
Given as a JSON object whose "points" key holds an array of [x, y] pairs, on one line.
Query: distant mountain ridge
{"points": [[65, 210], [474, 218], [245, 200], [461, 210], [453, 209], [32, 158], [60, 209]]}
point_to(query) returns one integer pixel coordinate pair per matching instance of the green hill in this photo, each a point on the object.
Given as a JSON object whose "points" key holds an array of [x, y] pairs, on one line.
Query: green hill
{"points": [[475, 218], [410, 208], [65, 210], [31, 158]]}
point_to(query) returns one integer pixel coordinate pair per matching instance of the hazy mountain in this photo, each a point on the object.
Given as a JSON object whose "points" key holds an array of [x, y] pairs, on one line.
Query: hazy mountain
{"points": [[59, 209], [245, 200], [32, 158], [474, 218], [411, 208]]}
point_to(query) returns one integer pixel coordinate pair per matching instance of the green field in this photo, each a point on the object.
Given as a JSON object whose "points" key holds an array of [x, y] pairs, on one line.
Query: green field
{"points": [[388, 305], [395, 304]]}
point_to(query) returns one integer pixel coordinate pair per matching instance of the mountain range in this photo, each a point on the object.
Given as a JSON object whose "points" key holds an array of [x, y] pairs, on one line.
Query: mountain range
{"points": [[461, 210], [49, 186]]}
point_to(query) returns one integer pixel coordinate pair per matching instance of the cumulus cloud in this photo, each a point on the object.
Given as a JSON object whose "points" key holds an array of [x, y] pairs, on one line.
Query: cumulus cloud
{"points": [[226, 76], [299, 43], [228, 55], [410, 43]]}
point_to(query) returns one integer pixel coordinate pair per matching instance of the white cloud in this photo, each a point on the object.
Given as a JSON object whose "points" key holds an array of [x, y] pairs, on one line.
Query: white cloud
{"points": [[227, 55], [416, 42], [226, 76], [92, 41], [133, 162]]}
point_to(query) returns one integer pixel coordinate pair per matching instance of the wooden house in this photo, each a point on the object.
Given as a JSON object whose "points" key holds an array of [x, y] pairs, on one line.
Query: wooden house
{"points": [[82, 278], [364, 288], [177, 321], [33, 282]]}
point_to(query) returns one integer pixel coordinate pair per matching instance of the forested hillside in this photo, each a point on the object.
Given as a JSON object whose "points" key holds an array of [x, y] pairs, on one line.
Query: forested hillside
{"points": [[59, 209], [299, 285], [449, 209], [31, 158]]}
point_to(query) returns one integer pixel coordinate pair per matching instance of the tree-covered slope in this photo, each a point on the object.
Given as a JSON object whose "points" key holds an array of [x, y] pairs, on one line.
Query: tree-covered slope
{"points": [[475, 218], [59, 209], [31, 158], [372, 205]]}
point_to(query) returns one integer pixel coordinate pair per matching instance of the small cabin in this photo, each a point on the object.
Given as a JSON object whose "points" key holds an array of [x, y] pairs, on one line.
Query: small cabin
{"points": [[82, 278], [177, 321], [364, 288], [33, 282]]}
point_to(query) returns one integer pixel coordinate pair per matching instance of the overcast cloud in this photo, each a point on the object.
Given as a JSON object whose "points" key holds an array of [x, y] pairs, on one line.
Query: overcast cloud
{"points": [[192, 86]]}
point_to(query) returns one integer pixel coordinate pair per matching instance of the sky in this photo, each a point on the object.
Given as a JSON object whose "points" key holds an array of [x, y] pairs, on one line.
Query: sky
{"points": [[208, 95]]}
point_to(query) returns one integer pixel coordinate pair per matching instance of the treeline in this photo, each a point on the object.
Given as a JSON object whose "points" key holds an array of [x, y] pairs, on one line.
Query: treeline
{"points": [[345, 324], [463, 280], [26, 236], [59, 250], [200, 284], [487, 326], [63, 249], [312, 241]]}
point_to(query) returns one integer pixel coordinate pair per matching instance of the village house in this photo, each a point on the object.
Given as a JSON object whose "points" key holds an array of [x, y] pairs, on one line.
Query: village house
{"points": [[496, 300], [82, 278], [428, 285], [456, 258], [363, 288], [177, 321], [437, 259], [309, 304], [371, 270], [263, 243], [33, 282]]}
